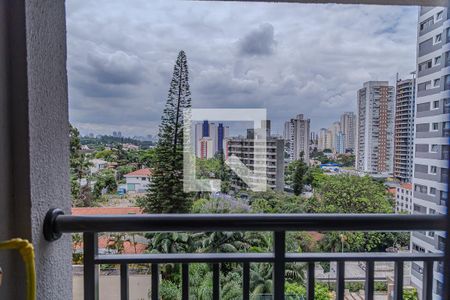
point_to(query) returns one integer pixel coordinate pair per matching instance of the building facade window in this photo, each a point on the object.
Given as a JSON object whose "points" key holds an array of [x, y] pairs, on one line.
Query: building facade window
{"points": [[436, 104], [420, 188], [433, 191], [447, 82], [437, 60], [435, 126], [438, 38], [433, 170], [426, 24]]}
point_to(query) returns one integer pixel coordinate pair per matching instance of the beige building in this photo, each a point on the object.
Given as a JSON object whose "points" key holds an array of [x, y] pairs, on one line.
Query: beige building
{"points": [[375, 128], [348, 129]]}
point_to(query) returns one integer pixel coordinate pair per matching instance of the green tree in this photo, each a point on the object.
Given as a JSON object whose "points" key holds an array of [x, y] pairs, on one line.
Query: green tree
{"points": [[275, 202], [106, 154], [147, 158], [105, 179], [346, 160], [296, 175], [79, 169], [353, 194], [122, 170], [165, 193]]}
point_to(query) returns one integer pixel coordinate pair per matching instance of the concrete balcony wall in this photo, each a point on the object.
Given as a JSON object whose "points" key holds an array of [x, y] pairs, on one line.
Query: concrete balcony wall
{"points": [[34, 141]]}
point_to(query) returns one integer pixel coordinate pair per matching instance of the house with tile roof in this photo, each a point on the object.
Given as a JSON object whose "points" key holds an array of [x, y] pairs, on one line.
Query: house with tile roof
{"points": [[138, 181]]}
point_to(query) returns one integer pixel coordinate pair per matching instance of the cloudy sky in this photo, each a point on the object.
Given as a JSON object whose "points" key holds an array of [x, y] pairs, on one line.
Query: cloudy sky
{"points": [[288, 58]]}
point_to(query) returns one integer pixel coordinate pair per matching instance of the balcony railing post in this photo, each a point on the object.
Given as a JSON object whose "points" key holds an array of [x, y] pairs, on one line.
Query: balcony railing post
{"points": [[279, 264], [340, 280], [124, 284], [311, 283], [398, 280], [185, 281], [155, 281], [90, 251], [216, 281], [427, 280], [246, 281], [369, 288]]}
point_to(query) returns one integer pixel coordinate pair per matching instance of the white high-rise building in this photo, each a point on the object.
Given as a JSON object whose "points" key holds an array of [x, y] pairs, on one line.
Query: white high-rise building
{"points": [[348, 128], [432, 131], [404, 129], [322, 142], [340, 143], [297, 135], [375, 128], [334, 129]]}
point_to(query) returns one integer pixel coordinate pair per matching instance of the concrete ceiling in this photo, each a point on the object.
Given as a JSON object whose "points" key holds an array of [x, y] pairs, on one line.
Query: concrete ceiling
{"points": [[378, 2]]}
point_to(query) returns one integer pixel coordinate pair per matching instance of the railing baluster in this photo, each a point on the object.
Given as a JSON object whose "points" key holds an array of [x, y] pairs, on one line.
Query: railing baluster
{"points": [[279, 264], [124, 286], [340, 280], [369, 288], [155, 281], [185, 281], [216, 281], [311, 281], [90, 251], [246, 281], [427, 280], [398, 280]]}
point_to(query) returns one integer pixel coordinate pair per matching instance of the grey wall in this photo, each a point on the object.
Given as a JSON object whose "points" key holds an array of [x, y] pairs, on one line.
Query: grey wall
{"points": [[381, 2], [5, 168], [34, 141]]}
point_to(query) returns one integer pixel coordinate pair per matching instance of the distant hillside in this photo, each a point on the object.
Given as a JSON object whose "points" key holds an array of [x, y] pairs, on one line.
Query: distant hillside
{"points": [[110, 140]]}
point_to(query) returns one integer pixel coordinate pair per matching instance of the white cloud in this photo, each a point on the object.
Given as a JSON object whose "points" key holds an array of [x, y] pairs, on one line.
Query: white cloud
{"points": [[289, 58]]}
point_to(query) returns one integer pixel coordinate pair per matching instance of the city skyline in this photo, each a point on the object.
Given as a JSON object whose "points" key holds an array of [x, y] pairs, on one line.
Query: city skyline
{"points": [[293, 69]]}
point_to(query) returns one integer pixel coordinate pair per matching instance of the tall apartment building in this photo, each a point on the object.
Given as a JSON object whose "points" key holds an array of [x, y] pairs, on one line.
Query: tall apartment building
{"points": [[348, 128], [375, 128], [263, 157], [340, 143], [432, 134], [322, 139], [209, 138], [334, 129], [404, 129], [297, 135], [313, 141]]}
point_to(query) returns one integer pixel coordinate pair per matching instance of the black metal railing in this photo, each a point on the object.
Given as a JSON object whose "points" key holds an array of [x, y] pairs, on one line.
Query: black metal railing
{"points": [[56, 223]]}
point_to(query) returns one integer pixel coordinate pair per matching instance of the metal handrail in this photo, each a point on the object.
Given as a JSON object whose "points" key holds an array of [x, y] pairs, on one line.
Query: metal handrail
{"points": [[57, 223]]}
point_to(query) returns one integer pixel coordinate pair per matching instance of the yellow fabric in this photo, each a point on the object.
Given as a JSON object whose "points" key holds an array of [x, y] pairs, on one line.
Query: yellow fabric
{"points": [[26, 250]]}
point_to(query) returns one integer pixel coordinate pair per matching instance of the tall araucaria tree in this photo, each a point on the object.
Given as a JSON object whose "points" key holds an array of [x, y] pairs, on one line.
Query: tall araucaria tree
{"points": [[165, 193]]}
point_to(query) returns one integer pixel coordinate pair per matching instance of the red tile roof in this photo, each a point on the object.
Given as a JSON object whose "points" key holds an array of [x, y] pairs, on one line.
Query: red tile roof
{"points": [[407, 186], [128, 246], [140, 172], [80, 211], [392, 190]]}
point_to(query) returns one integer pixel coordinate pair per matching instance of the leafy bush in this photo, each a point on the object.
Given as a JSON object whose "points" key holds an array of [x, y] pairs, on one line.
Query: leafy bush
{"points": [[380, 286], [169, 290], [354, 286], [410, 294]]}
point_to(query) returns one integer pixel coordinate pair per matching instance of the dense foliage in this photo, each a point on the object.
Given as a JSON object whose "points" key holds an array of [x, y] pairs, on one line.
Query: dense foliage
{"points": [[113, 140]]}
